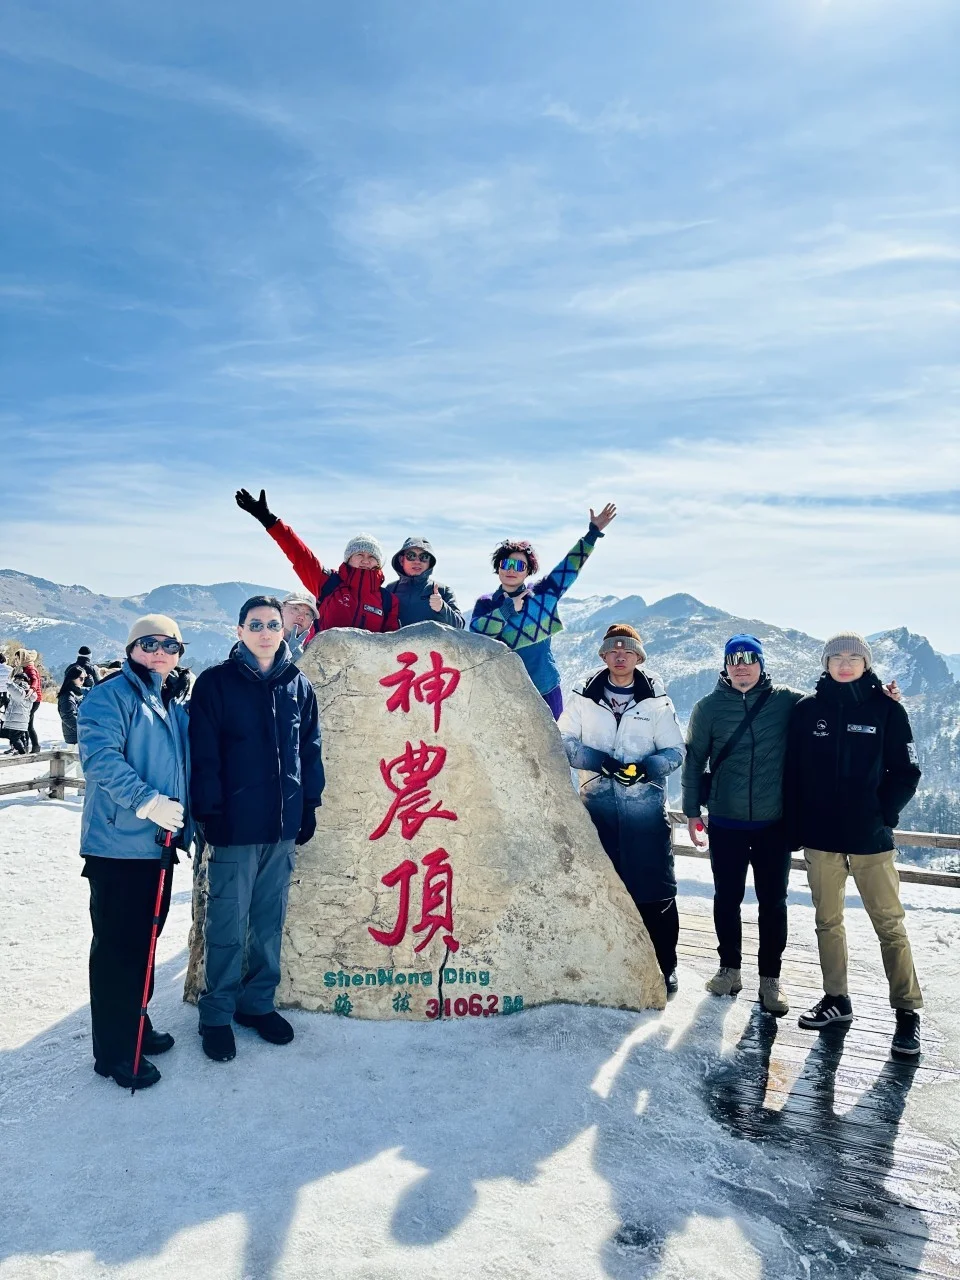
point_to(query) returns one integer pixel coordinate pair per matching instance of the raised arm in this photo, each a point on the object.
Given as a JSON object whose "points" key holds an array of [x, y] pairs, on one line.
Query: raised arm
{"points": [[305, 564]]}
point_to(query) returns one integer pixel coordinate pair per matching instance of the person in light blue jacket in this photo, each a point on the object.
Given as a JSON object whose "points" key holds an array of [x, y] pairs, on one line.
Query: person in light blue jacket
{"points": [[132, 735]]}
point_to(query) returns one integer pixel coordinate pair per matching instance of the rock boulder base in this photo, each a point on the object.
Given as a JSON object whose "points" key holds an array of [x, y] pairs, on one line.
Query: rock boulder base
{"points": [[484, 889]]}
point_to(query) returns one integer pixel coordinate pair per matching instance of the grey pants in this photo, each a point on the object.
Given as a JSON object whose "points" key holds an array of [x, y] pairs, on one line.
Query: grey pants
{"points": [[246, 904]]}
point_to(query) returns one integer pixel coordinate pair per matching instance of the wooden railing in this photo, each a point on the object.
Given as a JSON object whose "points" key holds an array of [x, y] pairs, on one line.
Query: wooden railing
{"points": [[56, 781], [908, 874], [53, 782]]}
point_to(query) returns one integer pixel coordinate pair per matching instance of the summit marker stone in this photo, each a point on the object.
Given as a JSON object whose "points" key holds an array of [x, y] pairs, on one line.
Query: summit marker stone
{"points": [[454, 871]]}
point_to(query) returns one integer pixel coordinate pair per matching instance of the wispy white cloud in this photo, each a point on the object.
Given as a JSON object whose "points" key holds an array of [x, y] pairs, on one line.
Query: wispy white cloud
{"points": [[612, 119]]}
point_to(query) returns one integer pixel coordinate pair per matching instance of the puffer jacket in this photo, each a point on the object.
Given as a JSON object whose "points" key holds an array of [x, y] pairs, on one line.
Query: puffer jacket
{"points": [[68, 704], [413, 593], [852, 766], [33, 675], [132, 748], [358, 598], [748, 786], [631, 821], [255, 750], [16, 717]]}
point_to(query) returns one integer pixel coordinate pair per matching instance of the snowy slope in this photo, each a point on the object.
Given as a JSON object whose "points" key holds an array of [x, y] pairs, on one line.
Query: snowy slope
{"points": [[563, 1142]]}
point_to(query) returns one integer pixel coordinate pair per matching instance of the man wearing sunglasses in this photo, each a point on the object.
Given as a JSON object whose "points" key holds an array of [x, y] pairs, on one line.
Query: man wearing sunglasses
{"points": [[420, 598], [132, 734], [256, 781], [736, 747]]}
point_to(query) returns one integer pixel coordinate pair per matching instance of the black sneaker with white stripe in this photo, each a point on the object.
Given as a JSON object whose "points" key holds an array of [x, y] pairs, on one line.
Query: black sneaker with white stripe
{"points": [[906, 1038], [827, 1012]]}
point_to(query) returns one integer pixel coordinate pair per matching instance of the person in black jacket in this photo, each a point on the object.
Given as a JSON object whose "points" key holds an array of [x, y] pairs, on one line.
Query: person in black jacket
{"points": [[83, 660], [256, 781], [851, 767], [419, 596], [69, 696]]}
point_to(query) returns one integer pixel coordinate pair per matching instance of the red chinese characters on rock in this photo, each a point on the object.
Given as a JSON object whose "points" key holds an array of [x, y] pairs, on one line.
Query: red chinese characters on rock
{"points": [[432, 687], [407, 776], [436, 902]]}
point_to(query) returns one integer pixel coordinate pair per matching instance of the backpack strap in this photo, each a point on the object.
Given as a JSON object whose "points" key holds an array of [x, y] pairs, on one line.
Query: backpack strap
{"points": [[328, 588]]}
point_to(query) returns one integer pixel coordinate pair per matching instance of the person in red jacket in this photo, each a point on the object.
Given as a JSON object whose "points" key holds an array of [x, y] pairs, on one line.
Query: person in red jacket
{"points": [[351, 596], [25, 659]]}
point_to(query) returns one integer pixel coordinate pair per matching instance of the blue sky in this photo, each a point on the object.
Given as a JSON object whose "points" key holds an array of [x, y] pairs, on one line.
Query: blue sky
{"points": [[469, 269]]}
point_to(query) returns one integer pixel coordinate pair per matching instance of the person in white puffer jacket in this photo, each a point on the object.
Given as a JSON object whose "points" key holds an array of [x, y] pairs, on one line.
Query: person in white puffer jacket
{"points": [[620, 730]]}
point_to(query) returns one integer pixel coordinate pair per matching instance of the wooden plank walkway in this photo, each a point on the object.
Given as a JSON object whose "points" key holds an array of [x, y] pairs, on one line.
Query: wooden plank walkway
{"points": [[880, 1187]]}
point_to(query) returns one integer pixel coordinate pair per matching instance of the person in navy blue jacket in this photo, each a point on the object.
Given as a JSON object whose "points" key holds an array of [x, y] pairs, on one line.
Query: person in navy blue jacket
{"points": [[256, 782], [132, 732]]}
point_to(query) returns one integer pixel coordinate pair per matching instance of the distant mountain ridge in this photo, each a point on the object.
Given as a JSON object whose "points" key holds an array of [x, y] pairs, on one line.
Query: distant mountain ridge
{"points": [[684, 639]]}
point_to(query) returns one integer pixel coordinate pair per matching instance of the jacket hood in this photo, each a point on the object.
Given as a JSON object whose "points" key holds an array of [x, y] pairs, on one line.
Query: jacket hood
{"points": [[421, 544]]}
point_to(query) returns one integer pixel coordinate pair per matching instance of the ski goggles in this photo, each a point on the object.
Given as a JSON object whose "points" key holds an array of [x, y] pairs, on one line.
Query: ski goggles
{"points": [[256, 625], [420, 557], [513, 565], [150, 644], [742, 658]]}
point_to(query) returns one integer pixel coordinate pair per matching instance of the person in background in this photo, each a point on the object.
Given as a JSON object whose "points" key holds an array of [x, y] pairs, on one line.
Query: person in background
{"points": [[851, 768], [351, 596], [69, 696], [300, 618], [6, 674], [420, 597], [621, 730], [523, 617], [132, 733], [25, 660], [256, 784], [20, 706], [91, 675]]}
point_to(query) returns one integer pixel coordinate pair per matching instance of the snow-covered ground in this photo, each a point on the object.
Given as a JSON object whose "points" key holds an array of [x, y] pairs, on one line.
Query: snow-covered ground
{"points": [[564, 1142]]}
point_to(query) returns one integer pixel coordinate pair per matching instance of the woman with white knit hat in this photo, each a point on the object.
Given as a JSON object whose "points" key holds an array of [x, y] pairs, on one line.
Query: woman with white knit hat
{"points": [[351, 596], [851, 768]]}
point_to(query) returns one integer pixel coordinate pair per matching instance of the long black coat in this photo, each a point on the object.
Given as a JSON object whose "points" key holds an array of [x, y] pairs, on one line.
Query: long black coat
{"points": [[851, 767], [254, 751]]}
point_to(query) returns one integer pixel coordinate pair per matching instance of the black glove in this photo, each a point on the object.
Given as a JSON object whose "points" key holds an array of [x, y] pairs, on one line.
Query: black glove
{"points": [[308, 825], [257, 507], [628, 774], [609, 765]]}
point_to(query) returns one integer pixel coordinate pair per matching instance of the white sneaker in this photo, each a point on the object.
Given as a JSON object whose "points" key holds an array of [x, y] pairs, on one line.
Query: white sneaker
{"points": [[725, 982]]}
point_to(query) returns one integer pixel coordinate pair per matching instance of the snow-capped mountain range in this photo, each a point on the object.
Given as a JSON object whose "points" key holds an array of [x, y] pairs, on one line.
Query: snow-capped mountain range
{"points": [[684, 639]]}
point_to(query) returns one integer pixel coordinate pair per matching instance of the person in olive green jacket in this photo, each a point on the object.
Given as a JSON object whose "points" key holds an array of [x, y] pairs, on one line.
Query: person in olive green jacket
{"points": [[745, 804]]}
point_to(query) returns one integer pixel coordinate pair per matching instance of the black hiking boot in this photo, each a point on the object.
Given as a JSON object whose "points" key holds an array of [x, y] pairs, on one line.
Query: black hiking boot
{"points": [[673, 985], [268, 1026], [906, 1038], [154, 1041], [218, 1042], [122, 1072], [826, 1013]]}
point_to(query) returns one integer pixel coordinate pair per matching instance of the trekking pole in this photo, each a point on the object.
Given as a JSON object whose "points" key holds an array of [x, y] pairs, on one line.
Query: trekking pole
{"points": [[164, 838]]}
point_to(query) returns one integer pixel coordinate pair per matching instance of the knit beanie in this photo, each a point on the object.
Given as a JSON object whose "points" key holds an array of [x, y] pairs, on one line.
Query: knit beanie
{"points": [[153, 624], [743, 643], [622, 636], [363, 543], [846, 642], [83, 651]]}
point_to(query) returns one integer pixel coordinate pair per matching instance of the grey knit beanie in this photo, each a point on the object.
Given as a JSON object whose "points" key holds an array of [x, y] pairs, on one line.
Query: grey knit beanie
{"points": [[846, 642], [363, 542]]}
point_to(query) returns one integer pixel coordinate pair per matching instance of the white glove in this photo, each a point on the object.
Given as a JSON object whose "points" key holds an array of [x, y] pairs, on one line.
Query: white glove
{"points": [[164, 812]]}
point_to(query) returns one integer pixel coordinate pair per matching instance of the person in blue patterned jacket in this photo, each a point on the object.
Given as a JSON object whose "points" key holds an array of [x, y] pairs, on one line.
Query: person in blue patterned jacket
{"points": [[523, 617]]}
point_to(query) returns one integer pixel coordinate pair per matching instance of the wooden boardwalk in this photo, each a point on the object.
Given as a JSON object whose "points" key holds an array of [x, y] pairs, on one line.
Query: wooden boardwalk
{"points": [[887, 1190]]}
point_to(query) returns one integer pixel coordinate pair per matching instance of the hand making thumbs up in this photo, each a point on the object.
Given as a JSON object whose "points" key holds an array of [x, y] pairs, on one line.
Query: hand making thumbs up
{"points": [[436, 599]]}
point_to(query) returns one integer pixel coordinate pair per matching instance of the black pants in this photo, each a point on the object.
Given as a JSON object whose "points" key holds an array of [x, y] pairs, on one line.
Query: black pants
{"points": [[18, 740], [663, 925], [123, 892], [731, 853], [34, 740]]}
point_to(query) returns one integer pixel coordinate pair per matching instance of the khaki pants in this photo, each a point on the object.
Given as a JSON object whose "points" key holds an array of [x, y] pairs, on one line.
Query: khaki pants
{"points": [[878, 884]]}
